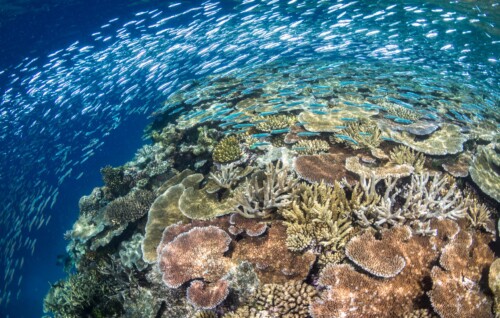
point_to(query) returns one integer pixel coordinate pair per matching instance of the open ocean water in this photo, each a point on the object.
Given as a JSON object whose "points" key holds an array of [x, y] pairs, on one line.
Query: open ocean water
{"points": [[81, 80]]}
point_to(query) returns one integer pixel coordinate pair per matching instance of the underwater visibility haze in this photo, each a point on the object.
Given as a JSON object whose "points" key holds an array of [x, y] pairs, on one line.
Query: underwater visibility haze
{"points": [[250, 159]]}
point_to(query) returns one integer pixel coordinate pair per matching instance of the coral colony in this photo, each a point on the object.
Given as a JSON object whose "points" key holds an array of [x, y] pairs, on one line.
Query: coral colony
{"points": [[292, 196]]}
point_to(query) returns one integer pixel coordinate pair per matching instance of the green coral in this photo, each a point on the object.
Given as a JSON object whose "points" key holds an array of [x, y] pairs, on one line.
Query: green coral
{"points": [[227, 150], [319, 218], [82, 295], [404, 155], [361, 134], [276, 122], [115, 180], [129, 208], [311, 147]]}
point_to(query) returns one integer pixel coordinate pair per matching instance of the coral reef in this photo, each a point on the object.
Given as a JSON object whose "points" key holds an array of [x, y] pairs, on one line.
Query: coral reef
{"points": [[131, 253], [494, 284], [401, 111], [459, 167], [227, 150], [352, 164], [484, 171], [250, 226], [336, 120], [115, 181], [227, 177]]}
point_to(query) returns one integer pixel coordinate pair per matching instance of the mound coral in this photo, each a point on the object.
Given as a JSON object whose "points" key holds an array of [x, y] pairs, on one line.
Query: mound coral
{"points": [[129, 208], [227, 150], [276, 122]]}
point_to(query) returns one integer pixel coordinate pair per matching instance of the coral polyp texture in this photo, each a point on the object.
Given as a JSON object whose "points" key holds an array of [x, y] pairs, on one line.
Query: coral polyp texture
{"points": [[271, 194]]}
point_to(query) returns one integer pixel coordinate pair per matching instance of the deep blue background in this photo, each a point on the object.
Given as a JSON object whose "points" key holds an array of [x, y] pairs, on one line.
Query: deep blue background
{"points": [[37, 33]]}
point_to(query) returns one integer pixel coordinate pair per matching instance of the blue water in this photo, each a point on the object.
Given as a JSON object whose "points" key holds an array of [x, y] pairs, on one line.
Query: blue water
{"points": [[77, 90]]}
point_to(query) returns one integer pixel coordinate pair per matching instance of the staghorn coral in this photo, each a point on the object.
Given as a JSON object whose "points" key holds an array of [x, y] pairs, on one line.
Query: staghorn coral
{"points": [[479, 215], [424, 199], [129, 208], [198, 254], [227, 150], [404, 155], [276, 122], [310, 147], [484, 171], [327, 168], [381, 258], [263, 251], [227, 177], [358, 135], [320, 219], [260, 197], [448, 140]]}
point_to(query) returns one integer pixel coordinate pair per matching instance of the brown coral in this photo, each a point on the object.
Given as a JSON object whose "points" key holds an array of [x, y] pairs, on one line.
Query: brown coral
{"points": [[326, 168], [207, 296], [251, 227], [273, 261], [381, 258], [197, 253]]}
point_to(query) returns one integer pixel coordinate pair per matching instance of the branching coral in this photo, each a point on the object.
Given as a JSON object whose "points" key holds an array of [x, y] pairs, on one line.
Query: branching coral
{"points": [[401, 111], [129, 208], [227, 150], [357, 135], [276, 122], [479, 215], [320, 219], [404, 155], [310, 147], [227, 177], [260, 197]]}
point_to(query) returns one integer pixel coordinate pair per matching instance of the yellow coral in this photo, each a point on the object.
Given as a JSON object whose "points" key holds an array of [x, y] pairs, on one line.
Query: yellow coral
{"points": [[227, 150], [358, 135], [405, 155], [311, 147], [276, 122]]}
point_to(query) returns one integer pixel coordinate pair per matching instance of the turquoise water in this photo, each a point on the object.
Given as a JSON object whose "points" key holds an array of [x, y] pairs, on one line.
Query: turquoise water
{"points": [[68, 113]]}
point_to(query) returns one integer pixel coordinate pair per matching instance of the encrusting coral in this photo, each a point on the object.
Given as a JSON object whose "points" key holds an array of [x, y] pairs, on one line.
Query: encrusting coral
{"points": [[319, 219], [227, 150]]}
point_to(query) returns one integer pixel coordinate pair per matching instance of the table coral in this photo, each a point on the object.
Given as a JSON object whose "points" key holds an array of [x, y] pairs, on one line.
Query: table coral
{"points": [[207, 296], [352, 164], [484, 171], [335, 120], [250, 226], [448, 140], [326, 168], [263, 251]]}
